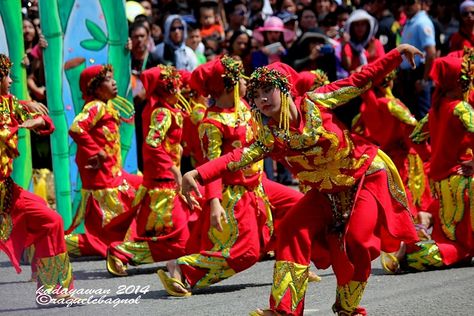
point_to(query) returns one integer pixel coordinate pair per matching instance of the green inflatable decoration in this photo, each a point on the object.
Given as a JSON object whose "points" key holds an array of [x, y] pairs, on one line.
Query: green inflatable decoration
{"points": [[55, 18], [10, 12]]}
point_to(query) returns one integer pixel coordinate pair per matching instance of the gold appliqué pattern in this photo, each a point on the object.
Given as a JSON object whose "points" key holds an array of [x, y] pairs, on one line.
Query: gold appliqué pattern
{"points": [[55, 271], [338, 97], [289, 276], [161, 206], [218, 269], [348, 296], [465, 112], [428, 256], [451, 193]]}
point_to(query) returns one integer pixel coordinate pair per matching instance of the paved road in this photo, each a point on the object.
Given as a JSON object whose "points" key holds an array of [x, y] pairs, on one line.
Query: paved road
{"points": [[446, 292]]}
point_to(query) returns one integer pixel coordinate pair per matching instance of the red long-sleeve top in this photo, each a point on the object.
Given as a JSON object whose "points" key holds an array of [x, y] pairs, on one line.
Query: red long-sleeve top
{"points": [[162, 131], [190, 140], [222, 131], [12, 114], [320, 152], [451, 129], [96, 128]]}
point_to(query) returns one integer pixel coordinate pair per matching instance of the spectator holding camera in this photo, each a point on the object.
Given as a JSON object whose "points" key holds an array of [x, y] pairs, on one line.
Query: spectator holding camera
{"points": [[362, 47], [273, 36], [313, 51]]}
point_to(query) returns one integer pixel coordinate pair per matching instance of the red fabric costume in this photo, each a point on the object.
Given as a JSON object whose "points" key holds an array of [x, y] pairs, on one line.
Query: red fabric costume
{"points": [[387, 122], [160, 230], [453, 237], [356, 206], [107, 192], [247, 197], [25, 219]]}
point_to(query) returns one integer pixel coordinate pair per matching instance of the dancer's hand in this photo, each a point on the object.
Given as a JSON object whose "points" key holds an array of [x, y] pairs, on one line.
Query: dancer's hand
{"points": [[36, 107], [217, 214], [33, 123], [409, 52], [466, 169], [178, 178], [189, 185], [96, 161]]}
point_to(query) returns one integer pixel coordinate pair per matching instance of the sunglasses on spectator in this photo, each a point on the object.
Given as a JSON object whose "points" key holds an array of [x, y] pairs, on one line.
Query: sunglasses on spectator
{"points": [[467, 13], [174, 29]]}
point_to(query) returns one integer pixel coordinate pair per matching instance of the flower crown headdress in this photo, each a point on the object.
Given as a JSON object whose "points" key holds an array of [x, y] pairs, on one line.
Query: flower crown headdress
{"points": [[5, 65], [264, 77], [320, 78], [172, 80], [467, 72]]}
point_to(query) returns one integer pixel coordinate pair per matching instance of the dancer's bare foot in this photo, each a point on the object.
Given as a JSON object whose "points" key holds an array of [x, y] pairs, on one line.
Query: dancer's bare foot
{"points": [[391, 261], [175, 273], [313, 277]]}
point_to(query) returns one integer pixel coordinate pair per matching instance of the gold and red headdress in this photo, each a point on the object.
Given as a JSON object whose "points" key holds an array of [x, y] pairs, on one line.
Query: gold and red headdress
{"points": [[91, 78], [277, 75], [5, 65], [310, 80], [467, 72]]}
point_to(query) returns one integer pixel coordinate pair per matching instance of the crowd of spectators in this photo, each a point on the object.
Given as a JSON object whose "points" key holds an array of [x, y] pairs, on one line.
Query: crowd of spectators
{"points": [[336, 36]]}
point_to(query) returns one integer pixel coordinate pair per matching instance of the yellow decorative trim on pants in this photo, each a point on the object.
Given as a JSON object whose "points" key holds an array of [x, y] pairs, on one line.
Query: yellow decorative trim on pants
{"points": [[72, 244], [348, 296], [416, 178], [218, 268], [428, 256], [139, 250], [451, 193], [54, 272], [289, 276]]}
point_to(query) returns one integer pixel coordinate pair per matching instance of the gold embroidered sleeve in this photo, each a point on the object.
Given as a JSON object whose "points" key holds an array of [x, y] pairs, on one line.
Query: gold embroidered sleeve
{"points": [[20, 111], [159, 124], [88, 118], [421, 133], [401, 112], [465, 113], [337, 97], [255, 152], [211, 141]]}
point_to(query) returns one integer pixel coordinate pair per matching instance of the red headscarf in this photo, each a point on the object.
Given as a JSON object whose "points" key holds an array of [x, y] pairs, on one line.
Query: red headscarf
{"points": [[185, 76], [216, 76], [445, 73], [160, 81], [91, 78], [310, 80]]}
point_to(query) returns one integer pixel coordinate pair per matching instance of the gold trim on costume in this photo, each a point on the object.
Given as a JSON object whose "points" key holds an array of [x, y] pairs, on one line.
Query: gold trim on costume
{"points": [[218, 269], [465, 113], [395, 184], [338, 97], [452, 204], [138, 250], [161, 206], [348, 296], [416, 178], [289, 276], [55, 271], [72, 244], [427, 256]]}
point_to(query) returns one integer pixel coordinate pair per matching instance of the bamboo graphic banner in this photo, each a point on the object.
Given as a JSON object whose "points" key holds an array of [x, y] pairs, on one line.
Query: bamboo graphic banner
{"points": [[11, 44], [81, 33]]}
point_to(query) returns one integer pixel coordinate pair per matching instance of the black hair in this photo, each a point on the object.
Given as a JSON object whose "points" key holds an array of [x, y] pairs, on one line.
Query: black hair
{"points": [[233, 38]]}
